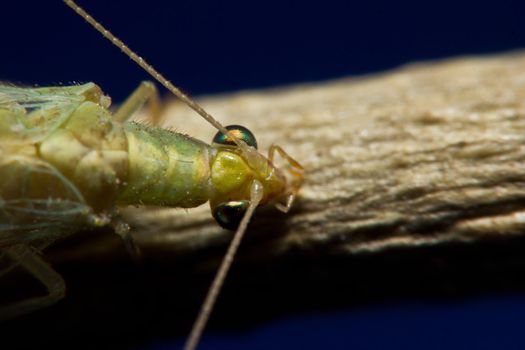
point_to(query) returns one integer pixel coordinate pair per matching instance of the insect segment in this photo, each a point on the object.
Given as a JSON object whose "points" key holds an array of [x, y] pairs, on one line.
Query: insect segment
{"points": [[66, 163]]}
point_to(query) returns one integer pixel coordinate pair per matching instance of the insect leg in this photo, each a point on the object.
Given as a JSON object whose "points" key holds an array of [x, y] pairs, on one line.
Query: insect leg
{"points": [[41, 271], [296, 174], [122, 229], [292, 162], [146, 92]]}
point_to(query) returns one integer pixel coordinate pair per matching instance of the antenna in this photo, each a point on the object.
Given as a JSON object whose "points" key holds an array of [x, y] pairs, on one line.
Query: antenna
{"points": [[150, 70], [256, 191]]}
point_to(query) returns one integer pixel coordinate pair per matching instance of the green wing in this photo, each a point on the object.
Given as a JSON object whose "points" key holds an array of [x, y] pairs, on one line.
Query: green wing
{"points": [[28, 115], [37, 203]]}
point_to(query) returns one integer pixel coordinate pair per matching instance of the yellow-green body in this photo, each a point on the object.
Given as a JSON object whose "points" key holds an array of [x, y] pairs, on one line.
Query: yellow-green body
{"points": [[66, 163], [165, 168], [128, 163]]}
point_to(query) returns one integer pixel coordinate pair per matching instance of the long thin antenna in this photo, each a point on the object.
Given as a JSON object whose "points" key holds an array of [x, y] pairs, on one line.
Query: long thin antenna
{"points": [[148, 68], [256, 193]]}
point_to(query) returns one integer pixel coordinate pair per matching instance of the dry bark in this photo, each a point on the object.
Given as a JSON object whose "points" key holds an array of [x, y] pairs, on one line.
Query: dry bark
{"points": [[421, 167], [422, 155]]}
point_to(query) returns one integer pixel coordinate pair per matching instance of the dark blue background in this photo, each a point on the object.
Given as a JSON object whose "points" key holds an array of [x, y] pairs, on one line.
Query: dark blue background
{"points": [[214, 46], [490, 323]]}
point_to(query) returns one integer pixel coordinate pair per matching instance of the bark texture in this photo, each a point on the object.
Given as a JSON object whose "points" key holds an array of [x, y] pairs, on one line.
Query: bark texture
{"points": [[422, 155], [415, 189]]}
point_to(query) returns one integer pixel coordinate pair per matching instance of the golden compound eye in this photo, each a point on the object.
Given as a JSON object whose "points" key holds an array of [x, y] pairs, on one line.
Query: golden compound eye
{"points": [[229, 214], [240, 132]]}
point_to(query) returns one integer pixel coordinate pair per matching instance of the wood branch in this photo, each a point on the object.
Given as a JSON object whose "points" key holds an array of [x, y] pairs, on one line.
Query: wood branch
{"points": [[415, 187], [423, 155]]}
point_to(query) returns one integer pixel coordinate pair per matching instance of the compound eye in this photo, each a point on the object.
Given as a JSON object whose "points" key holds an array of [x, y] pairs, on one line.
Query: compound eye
{"points": [[240, 132], [230, 214]]}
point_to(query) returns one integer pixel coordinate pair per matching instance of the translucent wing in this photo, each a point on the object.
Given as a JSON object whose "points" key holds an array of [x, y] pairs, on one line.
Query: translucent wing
{"points": [[37, 203], [28, 115]]}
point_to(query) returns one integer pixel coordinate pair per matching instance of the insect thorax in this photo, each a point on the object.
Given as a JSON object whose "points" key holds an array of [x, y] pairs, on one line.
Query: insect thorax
{"points": [[165, 168]]}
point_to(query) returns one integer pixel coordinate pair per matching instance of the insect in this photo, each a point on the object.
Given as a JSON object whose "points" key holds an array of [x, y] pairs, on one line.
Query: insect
{"points": [[67, 162]]}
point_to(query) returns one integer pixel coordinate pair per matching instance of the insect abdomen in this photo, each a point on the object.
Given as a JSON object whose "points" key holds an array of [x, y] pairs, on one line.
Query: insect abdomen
{"points": [[91, 151], [165, 168]]}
